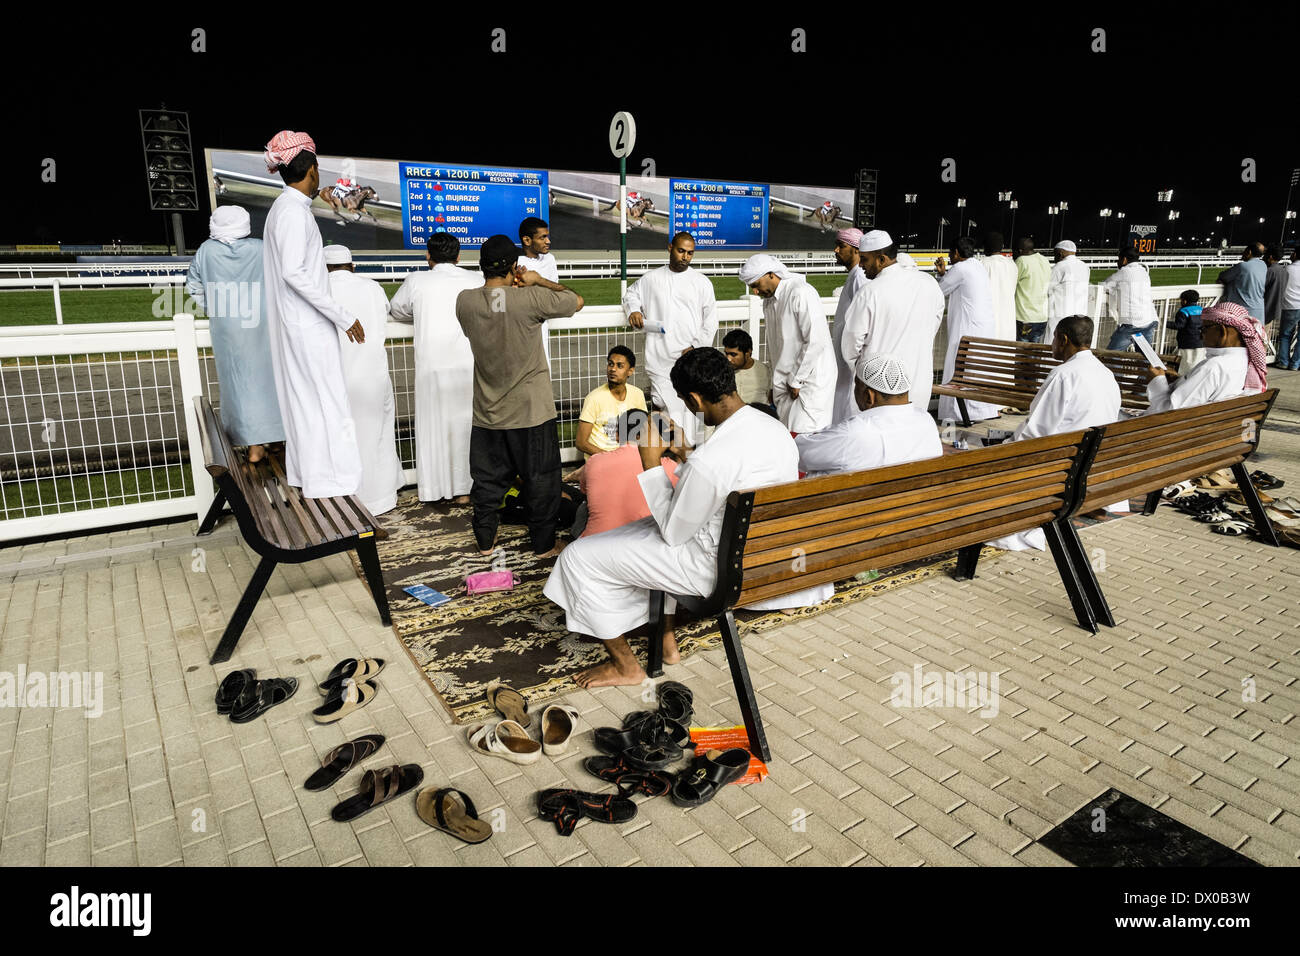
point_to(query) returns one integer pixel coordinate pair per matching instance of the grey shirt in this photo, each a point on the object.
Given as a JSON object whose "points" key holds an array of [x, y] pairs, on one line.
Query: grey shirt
{"points": [[1244, 285]]}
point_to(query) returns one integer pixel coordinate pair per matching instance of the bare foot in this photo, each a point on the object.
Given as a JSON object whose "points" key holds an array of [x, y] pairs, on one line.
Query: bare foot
{"points": [[671, 654], [790, 611], [554, 552], [460, 500], [610, 674]]}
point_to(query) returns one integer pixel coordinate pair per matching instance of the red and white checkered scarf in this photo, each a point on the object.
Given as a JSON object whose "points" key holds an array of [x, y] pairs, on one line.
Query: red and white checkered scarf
{"points": [[1236, 317], [284, 146]]}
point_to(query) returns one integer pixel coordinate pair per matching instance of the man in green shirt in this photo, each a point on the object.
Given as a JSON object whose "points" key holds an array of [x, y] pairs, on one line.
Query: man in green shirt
{"points": [[1032, 274], [513, 432]]}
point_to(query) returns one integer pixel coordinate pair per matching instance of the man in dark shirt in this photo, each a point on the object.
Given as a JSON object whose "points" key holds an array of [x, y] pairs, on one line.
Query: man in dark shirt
{"points": [[513, 432], [1275, 283]]}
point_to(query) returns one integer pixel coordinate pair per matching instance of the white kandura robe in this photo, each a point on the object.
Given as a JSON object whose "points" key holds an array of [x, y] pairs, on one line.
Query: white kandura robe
{"points": [[680, 312], [1079, 393], [845, 407], [370, 390], [880, 436], [444, 378], [603, 582], [801, 354], [1002, 284], [897, 313], [321, 454], [970, 312], [1219, 376], [1067, 291]]}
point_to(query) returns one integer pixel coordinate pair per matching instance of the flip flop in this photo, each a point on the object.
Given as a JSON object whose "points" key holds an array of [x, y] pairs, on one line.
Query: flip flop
{"points": [[707, 775], [558, 725], [264, 695], [1214, 481], [236, 685], [1237, 498], [1262, 479], [565, 807], [506, 740], [1181, 490], [508, 702], [359, 670], [377, 788], [1232, 527], [452, 811], [346, 698], [343, 758]]}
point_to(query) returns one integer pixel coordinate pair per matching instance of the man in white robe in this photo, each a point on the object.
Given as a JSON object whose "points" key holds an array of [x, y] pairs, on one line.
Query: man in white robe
{"points": [[1234, 362], [897, 313], [1079, 393], [603, 582], [370, 390], [887, 430], [676, 307], [1067, 286], [846, 254], [1002, 284], [321, 454], [799, 346], [444, 370], [970, 312]]}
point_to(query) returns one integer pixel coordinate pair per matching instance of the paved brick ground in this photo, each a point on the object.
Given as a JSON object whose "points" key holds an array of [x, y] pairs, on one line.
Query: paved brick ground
{"points": [[1153, 707]]}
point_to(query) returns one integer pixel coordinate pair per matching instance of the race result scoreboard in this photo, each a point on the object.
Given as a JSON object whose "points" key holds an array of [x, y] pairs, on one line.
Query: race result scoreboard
{"points": [[471, 203], [720, 214]]}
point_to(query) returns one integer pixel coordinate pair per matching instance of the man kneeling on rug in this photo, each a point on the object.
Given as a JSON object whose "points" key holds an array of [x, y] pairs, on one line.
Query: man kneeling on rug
{"points": [[603, 582]]}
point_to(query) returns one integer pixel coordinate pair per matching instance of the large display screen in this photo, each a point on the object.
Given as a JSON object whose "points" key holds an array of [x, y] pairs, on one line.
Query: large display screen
{"points": [[720, 214], [471, 203]]}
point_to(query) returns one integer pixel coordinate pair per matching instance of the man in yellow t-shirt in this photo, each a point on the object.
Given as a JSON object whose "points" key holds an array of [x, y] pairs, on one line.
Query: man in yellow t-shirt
{"points": [[598, 421]]}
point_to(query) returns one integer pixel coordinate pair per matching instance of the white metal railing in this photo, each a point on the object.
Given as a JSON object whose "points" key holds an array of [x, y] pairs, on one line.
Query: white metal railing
{"points": [[99, 430]]}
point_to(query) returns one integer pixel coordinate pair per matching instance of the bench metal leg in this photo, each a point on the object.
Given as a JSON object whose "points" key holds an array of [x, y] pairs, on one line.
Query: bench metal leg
{"points": [[965, 415], [242, 613], [1083, 566], [369, 556], [967, 558], [1262, 524], [654, 665], [1065, 567], [744, 689], [1152, 503], [214, 513]]}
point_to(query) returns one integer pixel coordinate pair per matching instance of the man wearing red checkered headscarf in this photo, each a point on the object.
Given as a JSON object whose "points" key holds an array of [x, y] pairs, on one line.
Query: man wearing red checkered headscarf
{"points": [[321, 453], [1234, 362]]}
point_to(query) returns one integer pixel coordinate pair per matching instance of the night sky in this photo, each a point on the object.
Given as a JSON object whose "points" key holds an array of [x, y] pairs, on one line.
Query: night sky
{"points": [[1175, 102]]}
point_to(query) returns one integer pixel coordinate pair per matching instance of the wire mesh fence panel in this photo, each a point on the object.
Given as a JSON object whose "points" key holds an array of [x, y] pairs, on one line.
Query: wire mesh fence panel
{"points": [[401, 371]]}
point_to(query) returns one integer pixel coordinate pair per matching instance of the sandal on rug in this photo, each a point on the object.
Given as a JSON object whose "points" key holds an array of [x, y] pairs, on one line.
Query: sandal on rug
{"points": [[237, 684], [343, 758], [565, 807], [1262, 479], [629, 779], [558, 724], [506, 740], [708, 774], [355, 669], [1233, 526], [344, 699], [508, 702], [452, 811], [377, 788], [265, 695]]}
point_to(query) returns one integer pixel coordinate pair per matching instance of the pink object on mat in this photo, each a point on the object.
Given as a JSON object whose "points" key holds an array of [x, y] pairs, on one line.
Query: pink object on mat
{"points": [[490, 581]]}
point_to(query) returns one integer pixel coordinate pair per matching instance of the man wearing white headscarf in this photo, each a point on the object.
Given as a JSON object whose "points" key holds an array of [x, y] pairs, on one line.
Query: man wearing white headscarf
{"points": [[1067, 286], [887, 430], [321, 454], [365, 373], [798, 344], [225, 280], [846, 254], [897, 313]]}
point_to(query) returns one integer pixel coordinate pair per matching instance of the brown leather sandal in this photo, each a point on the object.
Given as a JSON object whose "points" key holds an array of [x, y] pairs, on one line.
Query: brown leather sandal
{"points": [[377, 788]]}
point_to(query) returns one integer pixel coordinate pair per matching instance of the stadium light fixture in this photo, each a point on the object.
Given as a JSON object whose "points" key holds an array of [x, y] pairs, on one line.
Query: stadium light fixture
{"points": [[1218, 219], [909, 198], [1004, 197], [1166, 195], [1173, 214], [1119, 215], [1234, 210]]}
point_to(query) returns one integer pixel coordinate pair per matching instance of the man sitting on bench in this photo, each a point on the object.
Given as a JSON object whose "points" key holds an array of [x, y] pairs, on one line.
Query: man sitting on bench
{"points": [[603, 582], [1079, 393], [1235, 361]]}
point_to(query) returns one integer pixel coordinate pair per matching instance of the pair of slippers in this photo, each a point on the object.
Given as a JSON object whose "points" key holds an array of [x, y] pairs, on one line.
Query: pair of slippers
{"points": [[652, 739], [349, 687], [245, 698], [509, 739]]}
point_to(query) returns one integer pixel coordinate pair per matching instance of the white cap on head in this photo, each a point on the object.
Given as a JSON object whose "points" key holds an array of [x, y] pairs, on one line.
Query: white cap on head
{"points": [[885, 374], [229, 223], [906, 261], [1065, 245], [337, 255], [874, 241]]}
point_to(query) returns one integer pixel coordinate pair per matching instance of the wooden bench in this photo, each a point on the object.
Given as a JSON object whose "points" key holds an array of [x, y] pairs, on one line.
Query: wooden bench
{"points": [[1141, 456], [279, 523], [784, 538], [1011, 373]]}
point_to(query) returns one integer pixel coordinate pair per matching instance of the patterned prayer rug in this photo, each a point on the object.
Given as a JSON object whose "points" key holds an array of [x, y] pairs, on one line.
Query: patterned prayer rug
{"points": [[518, 636]]}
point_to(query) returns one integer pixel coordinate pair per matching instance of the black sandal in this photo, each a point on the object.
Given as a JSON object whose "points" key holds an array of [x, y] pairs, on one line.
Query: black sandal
{"points": [[343, 758], [707, 774], [264, 695], [377, 788], [629, 779], [676, 702], [236, 685], [565, 807], [1264, 481], [651, 743]]}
